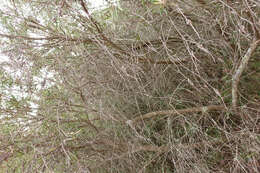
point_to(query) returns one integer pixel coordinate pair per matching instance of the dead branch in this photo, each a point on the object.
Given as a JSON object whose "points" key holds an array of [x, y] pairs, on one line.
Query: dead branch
{"points": [[239, 71], [174, 112]]}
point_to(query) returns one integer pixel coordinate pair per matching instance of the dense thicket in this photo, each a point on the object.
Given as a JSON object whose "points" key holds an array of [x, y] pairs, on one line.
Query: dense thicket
{"points": [[138, 86]]}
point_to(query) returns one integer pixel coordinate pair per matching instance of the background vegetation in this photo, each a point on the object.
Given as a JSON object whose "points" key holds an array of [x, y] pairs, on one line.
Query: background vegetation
{"points": [[138, 86]]}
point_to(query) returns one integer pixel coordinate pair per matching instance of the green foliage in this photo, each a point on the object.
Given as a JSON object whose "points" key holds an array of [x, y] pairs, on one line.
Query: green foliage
{"points": [[6, 81]]}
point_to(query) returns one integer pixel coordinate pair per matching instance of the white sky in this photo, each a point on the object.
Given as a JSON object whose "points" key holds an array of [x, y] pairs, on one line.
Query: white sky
{"points": [[97, 3]]}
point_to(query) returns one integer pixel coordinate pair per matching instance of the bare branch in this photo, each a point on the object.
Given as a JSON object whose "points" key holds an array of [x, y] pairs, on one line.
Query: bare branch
{"points": [[174, 112], [239, 71]]}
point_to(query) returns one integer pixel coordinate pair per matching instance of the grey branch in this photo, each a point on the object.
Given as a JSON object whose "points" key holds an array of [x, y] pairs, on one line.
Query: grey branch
{"points": [[174, 112], [239, 71]]}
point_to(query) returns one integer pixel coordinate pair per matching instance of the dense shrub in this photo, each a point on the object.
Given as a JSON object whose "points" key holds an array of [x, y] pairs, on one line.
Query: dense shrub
{"points": [[138, 86]]}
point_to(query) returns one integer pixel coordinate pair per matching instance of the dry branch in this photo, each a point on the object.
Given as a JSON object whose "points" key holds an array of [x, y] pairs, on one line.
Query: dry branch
{"points": [[174, 112], [239, 71]]}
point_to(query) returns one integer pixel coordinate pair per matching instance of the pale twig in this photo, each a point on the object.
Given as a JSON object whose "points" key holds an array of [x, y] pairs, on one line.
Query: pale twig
{"points": [[174, 112], [239, 71]]}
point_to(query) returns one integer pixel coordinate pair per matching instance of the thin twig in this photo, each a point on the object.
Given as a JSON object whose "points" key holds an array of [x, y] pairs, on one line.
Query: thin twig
{"points": [[239, 71]]}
